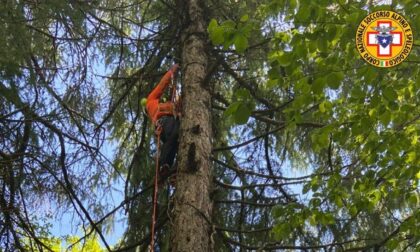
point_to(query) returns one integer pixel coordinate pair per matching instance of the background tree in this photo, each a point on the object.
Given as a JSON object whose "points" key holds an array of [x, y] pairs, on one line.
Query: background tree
{"points": [[311, 147]]}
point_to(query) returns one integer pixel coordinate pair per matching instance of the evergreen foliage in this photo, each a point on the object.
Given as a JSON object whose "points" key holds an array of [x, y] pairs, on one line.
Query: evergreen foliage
{"points": [[313, 149]]}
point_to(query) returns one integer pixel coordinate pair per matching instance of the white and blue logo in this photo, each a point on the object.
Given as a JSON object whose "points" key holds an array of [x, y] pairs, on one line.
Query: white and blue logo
{"points": [[384, 37]]}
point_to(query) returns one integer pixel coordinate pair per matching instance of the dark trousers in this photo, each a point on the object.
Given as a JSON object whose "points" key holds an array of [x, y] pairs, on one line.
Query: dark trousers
{"points": [[169, 137]]}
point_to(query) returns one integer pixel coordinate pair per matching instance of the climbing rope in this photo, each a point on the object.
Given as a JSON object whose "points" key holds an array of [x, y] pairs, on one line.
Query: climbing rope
{"points": [[173, 85], [158, 131]]}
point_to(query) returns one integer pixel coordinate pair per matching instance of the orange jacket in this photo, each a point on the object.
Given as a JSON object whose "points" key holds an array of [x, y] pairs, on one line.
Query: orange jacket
{"points": [[155, 110]]}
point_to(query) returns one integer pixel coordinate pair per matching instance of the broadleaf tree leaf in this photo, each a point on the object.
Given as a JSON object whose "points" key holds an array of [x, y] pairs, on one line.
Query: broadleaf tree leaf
{"points": [[217, 36], [243, 113], [390, 94], [244, 18], [284, 59], [303, 14], [241, 43], [232, 108], [334, 79], [212, 25], [318, 85]]}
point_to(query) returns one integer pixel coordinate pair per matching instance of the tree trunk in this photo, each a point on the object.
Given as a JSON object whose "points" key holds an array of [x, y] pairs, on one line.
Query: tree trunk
{"points": [[191, 229]]}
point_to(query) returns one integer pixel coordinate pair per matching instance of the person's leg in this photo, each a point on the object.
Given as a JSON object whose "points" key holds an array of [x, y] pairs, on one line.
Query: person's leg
{"points": [[167, 123], [170, 141]]}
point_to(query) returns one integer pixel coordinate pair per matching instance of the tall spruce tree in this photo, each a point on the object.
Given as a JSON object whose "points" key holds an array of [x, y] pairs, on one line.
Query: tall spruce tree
{"points": [[289, 140], [191, 228]]}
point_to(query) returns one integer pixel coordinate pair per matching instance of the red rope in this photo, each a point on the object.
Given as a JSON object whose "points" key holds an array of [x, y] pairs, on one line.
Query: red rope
{"points": [[174, 99], [155, 191], [173, 94]]}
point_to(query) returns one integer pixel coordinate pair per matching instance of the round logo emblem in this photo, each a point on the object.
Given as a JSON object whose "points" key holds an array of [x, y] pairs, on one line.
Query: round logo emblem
{"points": [[384, 38]]}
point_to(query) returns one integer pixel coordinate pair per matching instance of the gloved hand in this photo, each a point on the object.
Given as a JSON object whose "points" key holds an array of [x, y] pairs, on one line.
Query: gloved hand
{"points": [[174, 68]]}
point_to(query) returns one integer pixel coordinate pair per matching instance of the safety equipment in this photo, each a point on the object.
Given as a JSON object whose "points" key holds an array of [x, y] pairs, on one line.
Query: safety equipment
{"points": [[143, 102], [158, 131]]}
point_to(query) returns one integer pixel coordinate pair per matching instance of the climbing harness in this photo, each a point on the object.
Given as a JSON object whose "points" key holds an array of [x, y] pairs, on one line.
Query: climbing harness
{"points": [[158, 131]]}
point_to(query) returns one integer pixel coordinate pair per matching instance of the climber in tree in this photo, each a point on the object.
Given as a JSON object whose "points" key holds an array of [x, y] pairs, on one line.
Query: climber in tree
{"points": [[166, 116]]}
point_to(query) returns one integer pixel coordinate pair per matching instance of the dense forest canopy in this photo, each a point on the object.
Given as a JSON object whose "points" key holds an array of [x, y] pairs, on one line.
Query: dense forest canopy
{"points": [[299, 144]]}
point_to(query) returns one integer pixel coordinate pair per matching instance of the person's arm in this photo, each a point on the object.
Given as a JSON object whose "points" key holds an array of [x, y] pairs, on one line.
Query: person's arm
{"points": [[163, 84], [152, 103]]}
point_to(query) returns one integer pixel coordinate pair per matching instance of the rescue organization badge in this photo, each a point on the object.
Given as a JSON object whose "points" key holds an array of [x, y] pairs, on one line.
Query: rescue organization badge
{"points": [[384, 38]]}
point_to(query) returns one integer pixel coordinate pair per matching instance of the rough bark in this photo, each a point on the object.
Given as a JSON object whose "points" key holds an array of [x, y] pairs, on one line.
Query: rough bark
{"points": [[191, 230]]}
